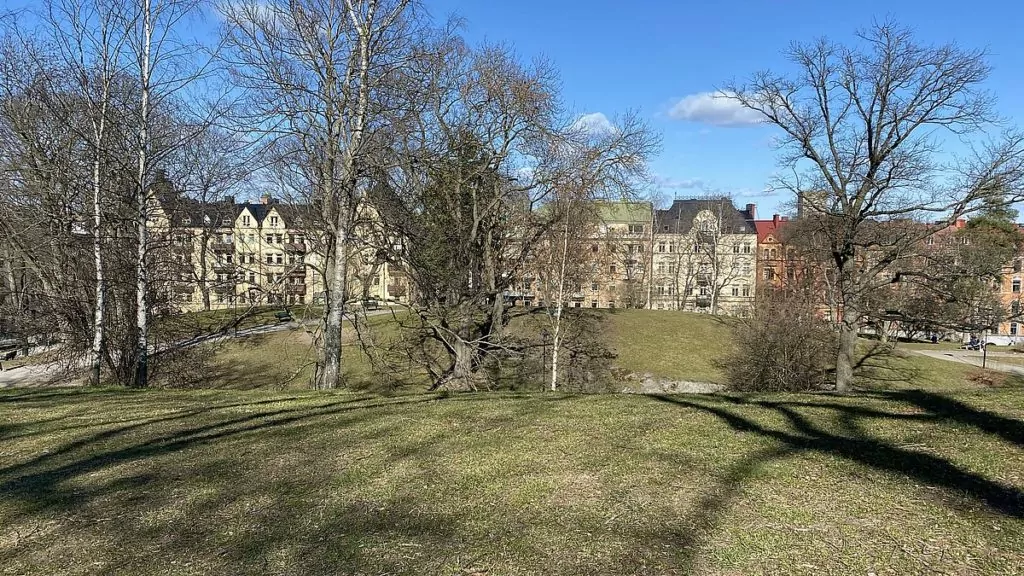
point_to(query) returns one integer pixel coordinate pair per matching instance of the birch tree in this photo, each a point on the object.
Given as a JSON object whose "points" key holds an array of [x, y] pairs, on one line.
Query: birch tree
{"points": [[862, 127], [90, 38], [310, 69]]}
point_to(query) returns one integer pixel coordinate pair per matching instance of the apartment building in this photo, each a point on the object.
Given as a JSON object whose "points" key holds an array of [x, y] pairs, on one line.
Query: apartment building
{"points": [[218, 255], [704, 257], [774, 266]]}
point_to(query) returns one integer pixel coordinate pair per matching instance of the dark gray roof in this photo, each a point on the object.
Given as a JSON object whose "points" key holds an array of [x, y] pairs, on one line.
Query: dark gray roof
{"points": [[678, 218], [184, 211]]}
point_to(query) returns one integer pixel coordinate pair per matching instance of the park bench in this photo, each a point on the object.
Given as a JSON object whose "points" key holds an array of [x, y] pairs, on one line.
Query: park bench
{"points": [[283, 316]]}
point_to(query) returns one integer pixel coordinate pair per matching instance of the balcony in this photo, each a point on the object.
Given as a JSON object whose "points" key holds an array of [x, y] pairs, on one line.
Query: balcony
{"points": [[224, 289], [299, 272], [703, 301], [703, 279], [295, 289], [295, 247], [222, 246], [221, 266]]}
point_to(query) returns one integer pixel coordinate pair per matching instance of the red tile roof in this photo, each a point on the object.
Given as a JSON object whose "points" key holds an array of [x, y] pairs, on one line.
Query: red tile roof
{"points": [[767, 228]]}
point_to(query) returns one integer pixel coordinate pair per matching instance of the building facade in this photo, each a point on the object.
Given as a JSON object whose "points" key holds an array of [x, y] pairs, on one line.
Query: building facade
{"points": [[221, 255], [704, 257]]}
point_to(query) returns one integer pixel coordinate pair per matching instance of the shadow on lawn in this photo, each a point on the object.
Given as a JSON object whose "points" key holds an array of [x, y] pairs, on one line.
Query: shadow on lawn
{"points": [[854, 445]]}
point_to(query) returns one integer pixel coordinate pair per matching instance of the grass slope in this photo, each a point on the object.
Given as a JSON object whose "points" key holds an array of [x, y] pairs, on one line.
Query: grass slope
{"points": [[224, 482], [668, 345]]}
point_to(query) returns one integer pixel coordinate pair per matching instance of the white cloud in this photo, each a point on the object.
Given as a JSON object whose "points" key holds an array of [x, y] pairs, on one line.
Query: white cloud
{"points": [[717, 108], [593, 123], [679, 183]]}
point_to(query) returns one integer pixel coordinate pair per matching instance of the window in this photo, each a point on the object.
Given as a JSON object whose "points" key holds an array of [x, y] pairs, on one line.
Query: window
{"points": [[273, 220], [576, 305], [593, 287], [270, 238], [1015, 307], [270, 258], [593, 304], [225, 222], [746, 248], [661, 267], [671, 268], [270, 278], [636, 228], [278, 259], [929, 240], [278, 238], [376, 280], [735, 291], [611, 303], [769, 273], [594, 248], [661, 246], [1013, 328], [1016, 285], [250, 238], [245, 220], [662, 306], [746, 290], [611, 269], [230, 258], [671, 247], [735, 248], [252, 277], [1016, 265]]}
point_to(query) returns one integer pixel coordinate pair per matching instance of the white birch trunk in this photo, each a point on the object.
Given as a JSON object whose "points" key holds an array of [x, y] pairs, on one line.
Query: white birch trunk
{"points": [[556, 336], [142, 281]]}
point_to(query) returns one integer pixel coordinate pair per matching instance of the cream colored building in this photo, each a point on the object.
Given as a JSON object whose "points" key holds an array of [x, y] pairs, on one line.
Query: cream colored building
{"points": [[704, 257], [221, 255]]}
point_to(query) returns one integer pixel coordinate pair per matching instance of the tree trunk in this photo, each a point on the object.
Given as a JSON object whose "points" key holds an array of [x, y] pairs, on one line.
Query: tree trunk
{"points": [[556, 336], [141, 379], [847, 356], [330, 372], [96, 356], [460, 376]]}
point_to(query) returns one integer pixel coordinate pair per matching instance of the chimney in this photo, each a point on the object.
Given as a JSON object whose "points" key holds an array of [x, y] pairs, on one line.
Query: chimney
{"points": [[266, 199], [775, 219], [229, 199], [752, 210]]}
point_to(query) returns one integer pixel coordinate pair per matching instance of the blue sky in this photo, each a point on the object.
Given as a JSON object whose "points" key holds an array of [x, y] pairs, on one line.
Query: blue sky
{"points": [[648, 55]]}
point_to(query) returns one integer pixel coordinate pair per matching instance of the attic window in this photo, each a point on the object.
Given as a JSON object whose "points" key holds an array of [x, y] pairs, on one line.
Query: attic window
{"points": [[273, 220], [187, 221], [666, 228], [245, 220], [225, 222]]}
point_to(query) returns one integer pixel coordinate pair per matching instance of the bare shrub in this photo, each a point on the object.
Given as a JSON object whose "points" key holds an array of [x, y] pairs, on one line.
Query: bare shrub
{"points": [[782, 346]]}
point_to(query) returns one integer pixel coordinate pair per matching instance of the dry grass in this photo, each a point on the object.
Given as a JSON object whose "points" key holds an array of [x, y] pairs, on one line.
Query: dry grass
{"points": [[228, 482]]}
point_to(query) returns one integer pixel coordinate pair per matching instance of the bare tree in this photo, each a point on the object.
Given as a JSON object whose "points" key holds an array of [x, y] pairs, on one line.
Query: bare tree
{"points": [[859, 127], [310, 70], [90, 39]]}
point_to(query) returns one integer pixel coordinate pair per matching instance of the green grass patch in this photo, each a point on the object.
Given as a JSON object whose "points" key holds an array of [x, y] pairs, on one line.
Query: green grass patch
{"points": [[243, 482], [671, 345]]}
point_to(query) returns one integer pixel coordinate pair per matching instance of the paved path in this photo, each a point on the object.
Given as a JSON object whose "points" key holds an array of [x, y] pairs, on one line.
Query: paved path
{"points": [[974, 359], [52, 375]]}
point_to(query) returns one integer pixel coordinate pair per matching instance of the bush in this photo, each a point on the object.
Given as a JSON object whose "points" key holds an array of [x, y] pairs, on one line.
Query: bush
{"points": [[783, 345]]}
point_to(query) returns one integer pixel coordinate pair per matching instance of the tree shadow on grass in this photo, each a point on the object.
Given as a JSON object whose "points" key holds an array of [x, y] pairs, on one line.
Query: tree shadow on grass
{"points": [[856, 446], [695, 531]]}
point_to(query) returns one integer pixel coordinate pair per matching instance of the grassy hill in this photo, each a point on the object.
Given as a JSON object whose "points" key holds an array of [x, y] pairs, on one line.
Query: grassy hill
{"points": [[249, 482], [667, 345]]}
